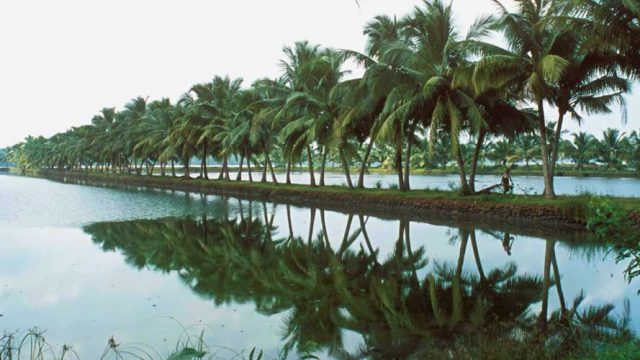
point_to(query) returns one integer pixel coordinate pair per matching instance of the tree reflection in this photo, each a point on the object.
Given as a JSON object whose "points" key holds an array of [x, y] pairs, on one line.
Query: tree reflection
{"points": [[403, 306]]}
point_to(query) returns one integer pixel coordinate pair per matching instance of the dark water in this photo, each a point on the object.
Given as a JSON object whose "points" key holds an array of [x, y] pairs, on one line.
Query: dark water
{"points": [[86, 263]]}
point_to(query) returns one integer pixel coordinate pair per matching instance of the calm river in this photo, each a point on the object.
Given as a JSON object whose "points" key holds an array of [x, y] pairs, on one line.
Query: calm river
{"points": [[87, 263]]}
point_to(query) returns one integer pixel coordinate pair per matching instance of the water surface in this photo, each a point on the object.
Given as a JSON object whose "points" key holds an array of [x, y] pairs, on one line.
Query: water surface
{"points": [[86, 263]]}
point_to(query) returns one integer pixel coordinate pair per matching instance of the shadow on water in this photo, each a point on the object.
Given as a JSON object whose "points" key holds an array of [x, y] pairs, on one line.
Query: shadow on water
{"points": [[401, 305]]}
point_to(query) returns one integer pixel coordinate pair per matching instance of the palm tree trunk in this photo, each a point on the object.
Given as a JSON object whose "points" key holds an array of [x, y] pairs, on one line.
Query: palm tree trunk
{"points": [[556, 143], [173, 168], [556, 277], [289, 172], [289, 222], [239, 177], [407, 239], [152, 167], [398, 163], [325, 233], [312, 176], [187, 168], [325, 153], [464, 186], [249, 168], [264, 171], [224, 165], [363, 226], [407, 166], [546, 169], [345, 238], [273, 173], [474, 161], [311, 223], [546, 283], [226, 169], [204, 159], [345, 167], [476, 254], [365, 162], [456, 285]]}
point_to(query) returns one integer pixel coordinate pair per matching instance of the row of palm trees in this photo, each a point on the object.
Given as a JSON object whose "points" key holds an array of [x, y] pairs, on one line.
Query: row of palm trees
{"points": [[422, 79], [614, 150]]}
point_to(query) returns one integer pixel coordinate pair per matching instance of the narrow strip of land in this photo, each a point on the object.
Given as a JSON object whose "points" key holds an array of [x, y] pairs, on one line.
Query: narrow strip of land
{"points": [[532, 212]]}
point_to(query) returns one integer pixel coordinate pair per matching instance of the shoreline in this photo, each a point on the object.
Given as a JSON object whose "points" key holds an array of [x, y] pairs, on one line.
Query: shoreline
{"points": [[534, 214]]}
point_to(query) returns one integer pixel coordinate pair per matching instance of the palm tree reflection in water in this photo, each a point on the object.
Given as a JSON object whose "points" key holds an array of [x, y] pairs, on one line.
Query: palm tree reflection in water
{"points": [[402, 306]]}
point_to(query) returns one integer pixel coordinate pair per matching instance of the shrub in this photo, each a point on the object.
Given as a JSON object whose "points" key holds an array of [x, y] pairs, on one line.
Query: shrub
{"points": [[605, 217]]}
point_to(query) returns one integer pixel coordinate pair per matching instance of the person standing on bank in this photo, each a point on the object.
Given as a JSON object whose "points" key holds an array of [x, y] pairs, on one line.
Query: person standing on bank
{"points": [[507, 181]]}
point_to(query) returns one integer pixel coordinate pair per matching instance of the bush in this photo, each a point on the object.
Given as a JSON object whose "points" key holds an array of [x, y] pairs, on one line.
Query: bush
{"points": [[605, 217]]}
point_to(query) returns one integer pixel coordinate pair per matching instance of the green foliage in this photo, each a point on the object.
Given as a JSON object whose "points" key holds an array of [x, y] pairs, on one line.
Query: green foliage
{"points": [[605, 217], [189, 354]]}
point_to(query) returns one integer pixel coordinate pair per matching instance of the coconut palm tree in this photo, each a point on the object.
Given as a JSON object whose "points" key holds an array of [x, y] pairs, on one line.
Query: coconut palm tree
{"points": [[154, 129], [589, 83], [426, 61], [362, 106], [214, 110], [610, 150], [527, 148], [502, 151], [313, 73], [300, 76], [533, 63], [614, 24], [581, 149]]}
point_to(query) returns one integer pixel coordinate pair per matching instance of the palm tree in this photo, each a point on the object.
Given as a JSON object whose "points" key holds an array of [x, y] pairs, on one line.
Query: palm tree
{"points": [[533, 63], [610, 150], [424, 64], [502, 151], [581, 149], [615, 24], [313, 73], [131, 117], [103, 123], [527, 148], [300, 77], [154, 129], [361, 108], [589, 83], [214, 110]]}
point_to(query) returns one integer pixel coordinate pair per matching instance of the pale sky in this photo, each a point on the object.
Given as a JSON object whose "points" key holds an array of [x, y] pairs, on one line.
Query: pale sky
{"points": [[62, 61]]}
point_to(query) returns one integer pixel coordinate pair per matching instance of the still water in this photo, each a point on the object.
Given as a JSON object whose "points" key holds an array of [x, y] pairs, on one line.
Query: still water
{"points": [[87, 263]]}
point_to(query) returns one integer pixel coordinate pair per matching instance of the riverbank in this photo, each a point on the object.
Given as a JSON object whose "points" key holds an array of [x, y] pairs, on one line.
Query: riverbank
{"points": [[532, 212]]}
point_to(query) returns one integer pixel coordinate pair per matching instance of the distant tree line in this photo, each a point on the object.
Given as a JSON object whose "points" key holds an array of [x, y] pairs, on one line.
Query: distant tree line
{"points": [[426, 89]]}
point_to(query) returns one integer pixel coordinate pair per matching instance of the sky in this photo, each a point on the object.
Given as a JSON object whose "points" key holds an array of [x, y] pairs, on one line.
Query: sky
{"points": [[62, 61]]}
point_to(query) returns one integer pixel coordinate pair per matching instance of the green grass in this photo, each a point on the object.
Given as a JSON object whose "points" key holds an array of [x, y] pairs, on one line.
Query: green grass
{"points": [[32, 345]]}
